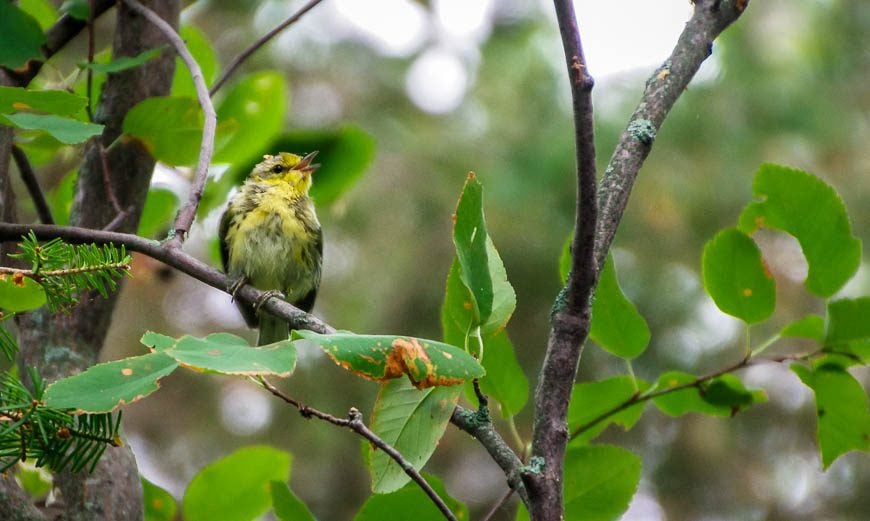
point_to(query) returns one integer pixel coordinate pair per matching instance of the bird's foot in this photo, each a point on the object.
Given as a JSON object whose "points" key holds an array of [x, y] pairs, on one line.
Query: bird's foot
{"points": [[262, 299], [236, 286]]}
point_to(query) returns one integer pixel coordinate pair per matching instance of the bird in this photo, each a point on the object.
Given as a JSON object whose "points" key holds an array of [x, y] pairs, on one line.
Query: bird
{"points": [[270, 238]]}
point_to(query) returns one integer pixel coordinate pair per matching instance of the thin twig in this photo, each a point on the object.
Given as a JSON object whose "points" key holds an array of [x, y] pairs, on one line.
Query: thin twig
{"points": [[107, 178], [571, 314], [64, 272], [244, 55], [32, 184], [92, 5], [355, 423], [119, 218], [187, 213]]}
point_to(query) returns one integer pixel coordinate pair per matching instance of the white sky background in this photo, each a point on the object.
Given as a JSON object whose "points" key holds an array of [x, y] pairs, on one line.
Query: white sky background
{"points": [[618, 36]]}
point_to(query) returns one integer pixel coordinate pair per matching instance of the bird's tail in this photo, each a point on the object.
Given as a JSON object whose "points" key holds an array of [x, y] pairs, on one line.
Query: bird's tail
{"points": [[272, 329]]}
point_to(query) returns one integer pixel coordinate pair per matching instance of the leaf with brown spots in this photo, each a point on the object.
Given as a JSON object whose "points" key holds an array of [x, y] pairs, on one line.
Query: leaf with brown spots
{"points": [[383, 357], [19, 293]]}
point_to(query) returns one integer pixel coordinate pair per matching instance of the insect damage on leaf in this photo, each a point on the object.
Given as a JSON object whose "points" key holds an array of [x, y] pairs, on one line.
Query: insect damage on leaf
{"points": [[409, 357]]}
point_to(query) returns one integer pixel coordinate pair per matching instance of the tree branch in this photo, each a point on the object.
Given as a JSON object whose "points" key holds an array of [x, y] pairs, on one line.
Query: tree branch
{"points": [[666, 84], [571, 314], [355, 423], [244, 55], [188, 212], [32, 184]]}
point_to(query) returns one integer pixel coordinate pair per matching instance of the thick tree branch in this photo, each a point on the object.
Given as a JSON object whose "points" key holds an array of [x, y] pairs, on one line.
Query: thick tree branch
{"points": [[254, 47], [571, 316], [666, 84], [188, 212], [355, 423]]}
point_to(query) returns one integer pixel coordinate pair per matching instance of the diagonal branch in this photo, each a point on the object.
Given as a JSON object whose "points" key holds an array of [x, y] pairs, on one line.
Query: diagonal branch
{"points": [[355, 423], [188, 212], [266, 38], [32, 184], [666, 84], [571, 314]]}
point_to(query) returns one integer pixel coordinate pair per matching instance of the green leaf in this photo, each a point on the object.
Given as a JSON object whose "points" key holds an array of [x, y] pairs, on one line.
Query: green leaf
{"points": [[41, 10], [736, 278], [169, 127], [36, 481], [160, 207], [78, 9], [104, 387], [57, 102], [616, 324], [381, 357], [848, 321], [236, 487], [159, 504], [412, 421], [286, 505], [124, 62], [203, 52], [65, 130], [156, 341], [810, 210], [505, 380], [565, 259], [810, 326], [842, 408], [469, 237], [729, 392], [232, 355], [600, 481], [21, 38], [686, 400], [410, 502], [589, 400], [19, 293], [256, 107]]}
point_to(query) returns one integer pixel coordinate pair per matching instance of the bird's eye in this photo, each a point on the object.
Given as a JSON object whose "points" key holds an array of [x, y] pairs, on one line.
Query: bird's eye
{"points": [[278, 169]]}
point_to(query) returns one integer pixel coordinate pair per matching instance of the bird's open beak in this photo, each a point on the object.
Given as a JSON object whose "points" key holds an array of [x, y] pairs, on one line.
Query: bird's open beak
{"points": [[305, 164]]}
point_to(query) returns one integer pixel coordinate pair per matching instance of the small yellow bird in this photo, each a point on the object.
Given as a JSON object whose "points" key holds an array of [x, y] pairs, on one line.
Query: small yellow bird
{"points": [[270, 238]]}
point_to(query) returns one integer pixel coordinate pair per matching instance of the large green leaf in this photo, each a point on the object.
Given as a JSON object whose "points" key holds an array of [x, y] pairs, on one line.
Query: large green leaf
{"points": [[19, 293], [203, 52], [41, 10], [736, 277], [255, 107], [228, 354], [600, 481], [412, 421], [590, 400], [410, 502], [21, 38], [237, 487], [159, 504], [57, 102], [382, 357], [842, 408], [810, 326], [809, 209], [469, 238], [104, 387], [286, 505], [616, 324], [848, 321], [65, 130], [169, 127]]}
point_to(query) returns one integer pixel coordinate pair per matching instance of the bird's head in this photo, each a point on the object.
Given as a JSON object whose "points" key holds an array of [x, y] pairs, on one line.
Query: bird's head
{"points": [[287, 168]]}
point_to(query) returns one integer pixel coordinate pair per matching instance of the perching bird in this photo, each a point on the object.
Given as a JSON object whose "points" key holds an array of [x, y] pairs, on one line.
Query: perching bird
{"points": [[270, 238]]}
